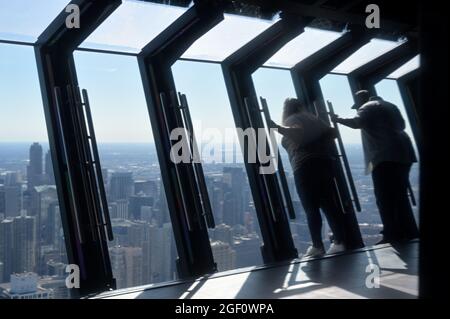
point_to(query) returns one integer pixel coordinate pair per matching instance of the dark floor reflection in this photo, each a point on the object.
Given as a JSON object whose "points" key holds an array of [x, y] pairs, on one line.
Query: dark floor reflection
{"points": [[344, 276]]}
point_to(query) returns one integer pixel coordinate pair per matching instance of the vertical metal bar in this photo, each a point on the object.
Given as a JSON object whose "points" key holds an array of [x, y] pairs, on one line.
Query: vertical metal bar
{"points": [[255, 143], [98, 169], [343, 155], [67, 178], [175, 106], [79, 145], [93, 188], [281, 173], [162, 97], [411, 195], [206, 204]]}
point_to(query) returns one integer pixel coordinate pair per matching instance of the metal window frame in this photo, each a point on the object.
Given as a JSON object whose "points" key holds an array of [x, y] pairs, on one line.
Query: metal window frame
{"points": [[237, 69], [370, 73], [86, 247], [155, 60], [408, 85]]}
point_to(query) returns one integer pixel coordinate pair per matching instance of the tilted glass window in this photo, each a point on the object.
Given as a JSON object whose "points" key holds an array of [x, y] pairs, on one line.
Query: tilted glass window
{"points": [[409, 66], [226, 38], [143, 250], [25, 20], [32, 245], [132, 25], [368, 52], [236, 239], [308, 42]]}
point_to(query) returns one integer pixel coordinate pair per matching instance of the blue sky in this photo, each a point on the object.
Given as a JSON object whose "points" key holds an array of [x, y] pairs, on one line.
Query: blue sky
{"points": [[118, 102], [113, 81]]}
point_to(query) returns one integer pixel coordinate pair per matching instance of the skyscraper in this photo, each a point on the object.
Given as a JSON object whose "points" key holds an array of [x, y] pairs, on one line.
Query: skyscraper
{"points": [[224, 255], [24, 244], [135, 204], [34, 168], [148, 188], [121, 185], [234, 181], [2, 201], [6, 248], [126, 263], [12, 200], [49, 175]]}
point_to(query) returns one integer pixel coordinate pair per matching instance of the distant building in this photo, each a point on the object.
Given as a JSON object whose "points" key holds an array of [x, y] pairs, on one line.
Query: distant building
{"points": [[24, 244], [119, 209], [49, 175], [248, 250], [6, 248], [126, 264], [121, 185], [233, 197], [12, 200], [2, 201], [25, 286], [34, 168], [223, 233], [146, 188], [224, 255], [136, 202]]}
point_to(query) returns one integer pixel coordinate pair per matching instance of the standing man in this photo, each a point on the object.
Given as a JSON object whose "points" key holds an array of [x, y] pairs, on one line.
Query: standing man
{"points": [[389, 155]]}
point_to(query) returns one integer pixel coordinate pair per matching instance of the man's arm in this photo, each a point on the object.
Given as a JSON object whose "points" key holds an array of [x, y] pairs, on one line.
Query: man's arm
{"points": [[354, 123], [291, 132]]}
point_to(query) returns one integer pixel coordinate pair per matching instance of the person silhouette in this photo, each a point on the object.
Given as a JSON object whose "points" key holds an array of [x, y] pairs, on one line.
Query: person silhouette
{"points": [[388, 154], [308, 142]]}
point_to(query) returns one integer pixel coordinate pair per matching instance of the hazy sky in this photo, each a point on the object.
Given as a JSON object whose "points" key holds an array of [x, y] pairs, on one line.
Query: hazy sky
{"points": [[113, 82], [118, 103]]}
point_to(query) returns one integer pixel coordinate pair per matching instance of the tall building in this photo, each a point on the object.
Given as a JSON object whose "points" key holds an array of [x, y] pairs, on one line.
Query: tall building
{"points": [[34, 168], [223, 233], [119, 209], [248, 251], [233, 207], [54, 232], [146, 188], [121, 185], [42, 198], [126, 263], [12, 200], [6, 248], [224, 255], [49, 175], [136, 202], [2, 202], [24, 244]]}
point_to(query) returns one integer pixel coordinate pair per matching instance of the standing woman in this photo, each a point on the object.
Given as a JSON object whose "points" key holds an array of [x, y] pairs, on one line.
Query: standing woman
{"points": [[308, 142]]}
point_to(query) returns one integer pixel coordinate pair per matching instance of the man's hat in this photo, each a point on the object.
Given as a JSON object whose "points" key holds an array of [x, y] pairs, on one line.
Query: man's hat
{"points": [[362, 95]]}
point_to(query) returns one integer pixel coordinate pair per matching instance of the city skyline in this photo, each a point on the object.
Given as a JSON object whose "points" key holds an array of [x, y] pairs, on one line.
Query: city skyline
{"points": [[137, 207]]}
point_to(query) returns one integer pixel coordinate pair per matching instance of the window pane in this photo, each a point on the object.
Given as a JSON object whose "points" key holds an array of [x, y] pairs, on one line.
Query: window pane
{"points": [[226, 37], [143, 20], [25, 20], [143, 249], [31, 237], [409, 66], [275, 86], [310, 41], [236, 240], [370, 51]]}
